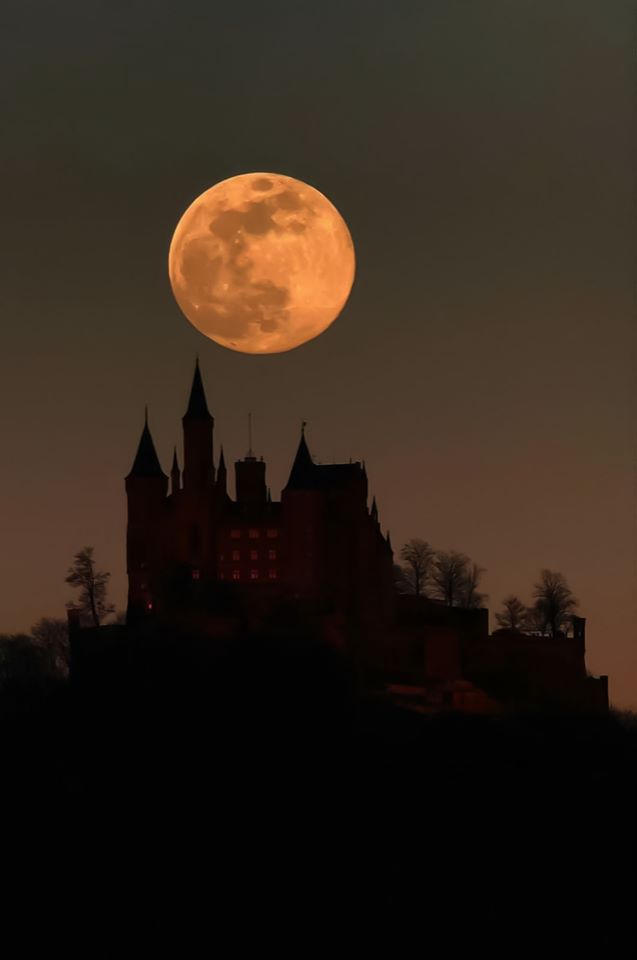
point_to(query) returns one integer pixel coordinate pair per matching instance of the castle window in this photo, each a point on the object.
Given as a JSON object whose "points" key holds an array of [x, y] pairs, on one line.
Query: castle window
{"points": [[253, 533], [254, 554], [236, 554], [271, 574], [254, 574], [235, 534], [272, 533], [271, 554], [149, 605], [236, 574], [195, 574]]}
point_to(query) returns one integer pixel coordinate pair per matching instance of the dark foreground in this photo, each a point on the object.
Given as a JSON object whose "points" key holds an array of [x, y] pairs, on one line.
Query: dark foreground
{"points": [[266, 795]]}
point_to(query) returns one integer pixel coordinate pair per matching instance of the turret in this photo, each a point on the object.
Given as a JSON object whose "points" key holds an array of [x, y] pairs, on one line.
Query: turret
{"points": [[302, 474], [249, 476], [198, 424], [146, 474], [146, 489]]}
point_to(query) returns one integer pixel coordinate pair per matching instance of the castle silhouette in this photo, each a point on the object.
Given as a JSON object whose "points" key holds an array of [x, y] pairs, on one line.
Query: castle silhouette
{"points": [[196, 555], [316, 563]]}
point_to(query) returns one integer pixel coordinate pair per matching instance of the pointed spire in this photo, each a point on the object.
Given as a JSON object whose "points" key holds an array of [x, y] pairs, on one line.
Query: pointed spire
{"points": [[303, 466], [197, 404], [388, 541], [374, 510], [222, 473], [174, 472], [146, 463]]}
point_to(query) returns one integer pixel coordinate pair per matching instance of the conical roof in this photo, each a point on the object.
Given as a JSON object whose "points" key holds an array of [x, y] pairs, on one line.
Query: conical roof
{"points": [[146, 462], [197, 404], [302, 472]]}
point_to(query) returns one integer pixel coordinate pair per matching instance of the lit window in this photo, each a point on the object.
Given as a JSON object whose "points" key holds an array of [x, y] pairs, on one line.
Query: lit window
{"points": [[271, 554], [195, 574], [254, 574], [253, 533], [236, 554], [254, 555], [236, 574], [235, 534], [272, 533], [271, 574], [149, 605]]}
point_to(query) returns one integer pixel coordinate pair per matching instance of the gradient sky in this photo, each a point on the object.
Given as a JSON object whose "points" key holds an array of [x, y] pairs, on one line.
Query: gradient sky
{"points": [[484, 367]]}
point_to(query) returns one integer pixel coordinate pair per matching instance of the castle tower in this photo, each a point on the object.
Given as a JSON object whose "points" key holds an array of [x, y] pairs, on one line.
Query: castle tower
{"points": [[198, 425], [146, 489], [249, 476], [304, 526]]}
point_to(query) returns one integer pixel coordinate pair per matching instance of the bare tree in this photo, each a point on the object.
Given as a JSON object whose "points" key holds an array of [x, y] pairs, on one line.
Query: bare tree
{"points": [[470, 597], [92, 585], [554, 603], [454, 579], [534, 621], [514, 614], [417, 558], [399, 579], [448, 576]]}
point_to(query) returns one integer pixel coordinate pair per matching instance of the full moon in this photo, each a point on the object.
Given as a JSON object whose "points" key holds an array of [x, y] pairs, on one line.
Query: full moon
{"points": [[261, 263]]}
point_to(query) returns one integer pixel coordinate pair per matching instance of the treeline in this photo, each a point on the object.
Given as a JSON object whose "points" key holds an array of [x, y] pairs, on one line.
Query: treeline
{"points": [[452, 578], [447, 576], [551, 612]]}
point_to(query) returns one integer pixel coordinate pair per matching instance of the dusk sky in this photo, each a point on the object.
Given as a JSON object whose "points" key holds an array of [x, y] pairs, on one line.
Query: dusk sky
{"points": [[482, 155]]}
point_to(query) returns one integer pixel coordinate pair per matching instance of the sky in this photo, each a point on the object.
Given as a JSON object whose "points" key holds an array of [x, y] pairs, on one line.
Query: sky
{"points": [[482, 155]]}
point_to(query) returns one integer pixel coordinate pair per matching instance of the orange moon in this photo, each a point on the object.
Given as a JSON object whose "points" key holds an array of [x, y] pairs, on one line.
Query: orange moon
{"points": [[261, 263]]}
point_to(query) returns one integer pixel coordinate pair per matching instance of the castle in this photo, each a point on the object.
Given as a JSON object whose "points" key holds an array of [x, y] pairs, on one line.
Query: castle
{"points": [[315, 564], [196, 555]]}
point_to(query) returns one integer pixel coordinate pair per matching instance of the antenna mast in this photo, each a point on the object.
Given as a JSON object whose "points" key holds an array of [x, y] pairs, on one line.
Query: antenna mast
{"points": [[250, 453]]}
